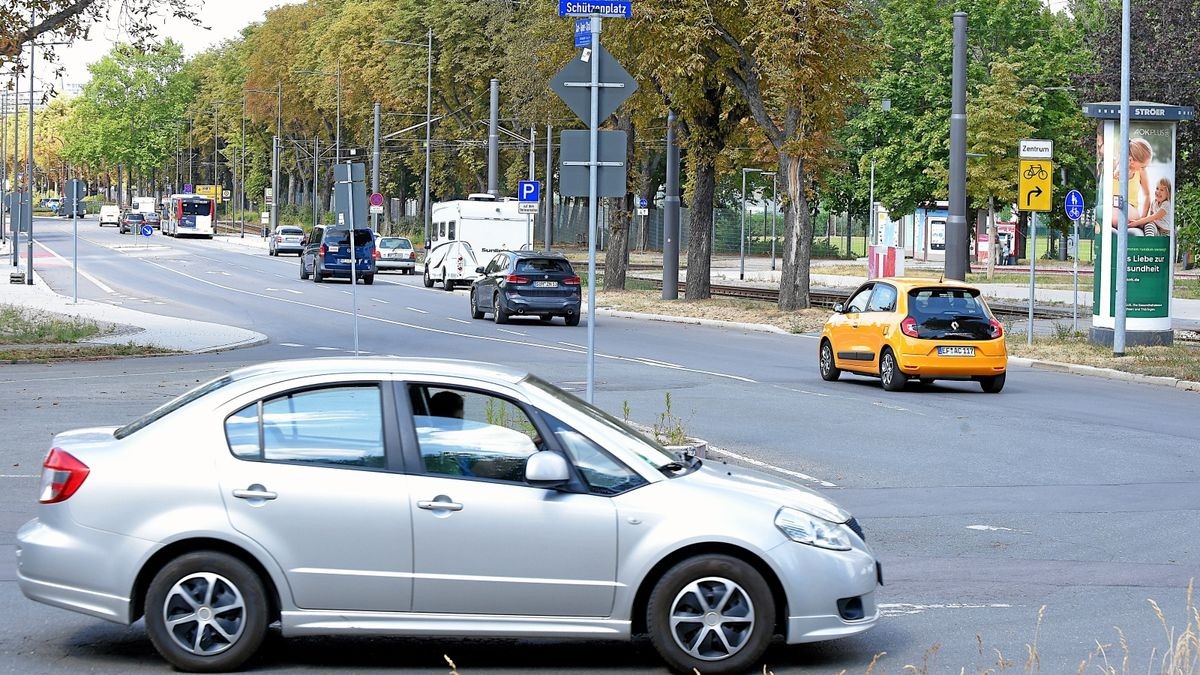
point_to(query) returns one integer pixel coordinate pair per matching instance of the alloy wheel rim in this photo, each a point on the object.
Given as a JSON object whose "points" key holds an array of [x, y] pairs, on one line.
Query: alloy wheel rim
{"points": [[712, 619], [887, 367], [205, 614], [826, 358]]}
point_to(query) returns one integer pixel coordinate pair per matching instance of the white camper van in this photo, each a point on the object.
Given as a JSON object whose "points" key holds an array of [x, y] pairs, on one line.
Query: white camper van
{"points": [[486, 222]]}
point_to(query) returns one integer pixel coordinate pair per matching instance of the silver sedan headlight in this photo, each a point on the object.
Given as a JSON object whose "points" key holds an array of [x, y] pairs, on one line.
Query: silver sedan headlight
{"points": [[806, 528]]}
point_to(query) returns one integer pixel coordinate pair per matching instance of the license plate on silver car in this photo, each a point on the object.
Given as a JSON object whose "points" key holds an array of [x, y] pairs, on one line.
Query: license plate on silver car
{"points": [[956, 351], [545, 284]]}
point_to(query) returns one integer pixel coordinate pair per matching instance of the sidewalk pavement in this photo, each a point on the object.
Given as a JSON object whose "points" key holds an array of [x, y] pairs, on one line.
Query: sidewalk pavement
{"points": [[130, 325]]}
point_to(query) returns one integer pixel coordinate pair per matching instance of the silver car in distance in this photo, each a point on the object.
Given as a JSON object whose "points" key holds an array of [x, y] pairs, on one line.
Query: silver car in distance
{"points": [[418, 497]]}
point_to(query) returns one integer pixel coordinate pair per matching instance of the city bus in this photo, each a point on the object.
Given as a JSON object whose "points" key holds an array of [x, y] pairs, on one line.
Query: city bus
{"points": [[189, 215]]}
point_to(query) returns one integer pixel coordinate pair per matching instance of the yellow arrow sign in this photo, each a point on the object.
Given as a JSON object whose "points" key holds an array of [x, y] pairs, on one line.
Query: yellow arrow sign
{"points": [[1035, 192]]}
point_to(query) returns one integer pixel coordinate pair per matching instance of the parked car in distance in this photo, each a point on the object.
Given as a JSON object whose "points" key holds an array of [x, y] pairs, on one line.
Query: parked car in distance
{"points": [[63, 209], [50, 203], [286, 239], [335, 496], [131, 222], [452, 263], [527, 283], [110, 214], [327, 254], [396, 253], [898, 329]]}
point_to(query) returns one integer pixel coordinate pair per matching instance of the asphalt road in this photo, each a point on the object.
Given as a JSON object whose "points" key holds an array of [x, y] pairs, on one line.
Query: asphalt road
{"points": [[1074, 494]]}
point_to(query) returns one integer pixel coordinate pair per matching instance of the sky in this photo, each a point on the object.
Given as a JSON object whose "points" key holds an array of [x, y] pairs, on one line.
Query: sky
{"points": [[224, 19]]}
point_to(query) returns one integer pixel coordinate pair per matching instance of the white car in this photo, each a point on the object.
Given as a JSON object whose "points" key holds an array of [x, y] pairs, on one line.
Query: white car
{"points": [[110, 215], [452, 263], [395, 253]]}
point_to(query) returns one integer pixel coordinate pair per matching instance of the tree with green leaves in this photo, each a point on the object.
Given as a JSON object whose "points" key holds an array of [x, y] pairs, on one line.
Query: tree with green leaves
{"points": [[128, 111]]}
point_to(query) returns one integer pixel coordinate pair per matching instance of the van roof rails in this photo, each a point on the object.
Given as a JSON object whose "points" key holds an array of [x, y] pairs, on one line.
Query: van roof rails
{"points": [[481, 197]]}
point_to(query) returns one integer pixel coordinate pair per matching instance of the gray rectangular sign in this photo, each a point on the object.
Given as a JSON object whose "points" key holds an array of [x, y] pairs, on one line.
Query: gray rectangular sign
{"points": [[610, 182], [343, 192]]}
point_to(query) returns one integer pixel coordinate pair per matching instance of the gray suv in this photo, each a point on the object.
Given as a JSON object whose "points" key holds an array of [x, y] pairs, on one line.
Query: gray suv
{"points": [[426, 497]]}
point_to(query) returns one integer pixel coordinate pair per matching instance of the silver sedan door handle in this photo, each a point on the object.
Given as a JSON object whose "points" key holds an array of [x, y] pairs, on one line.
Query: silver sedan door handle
{"points": [[255, 492], [439, 505]]}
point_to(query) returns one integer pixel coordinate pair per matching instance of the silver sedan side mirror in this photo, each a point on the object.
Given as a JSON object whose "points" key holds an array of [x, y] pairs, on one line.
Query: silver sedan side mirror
{"points": [[546, 469]]}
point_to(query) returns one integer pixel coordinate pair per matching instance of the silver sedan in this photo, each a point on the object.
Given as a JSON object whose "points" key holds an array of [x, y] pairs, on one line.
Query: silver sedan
{"points": [[429, 497]]}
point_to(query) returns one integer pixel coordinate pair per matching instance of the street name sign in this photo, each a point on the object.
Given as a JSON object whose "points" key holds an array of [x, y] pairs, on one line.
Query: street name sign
{"points": [[1035, 148], [611, 9], [1035, 192], [583, 33], [1074, 205], [573, 84]]}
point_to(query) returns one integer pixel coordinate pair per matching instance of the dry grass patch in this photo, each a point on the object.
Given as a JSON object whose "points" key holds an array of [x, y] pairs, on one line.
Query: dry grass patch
{"points": [[721, 309], [1181, 361], [24, 326]]}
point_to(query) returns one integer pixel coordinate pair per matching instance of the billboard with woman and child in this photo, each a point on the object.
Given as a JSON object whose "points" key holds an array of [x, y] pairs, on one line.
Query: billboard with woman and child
{"points": [[1151, 224]]}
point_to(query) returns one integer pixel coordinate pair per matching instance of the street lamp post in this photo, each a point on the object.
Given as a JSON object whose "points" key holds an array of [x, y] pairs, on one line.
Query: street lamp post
{"points": [[428, 115], [278, 92], [742, 238], [337, 138]]}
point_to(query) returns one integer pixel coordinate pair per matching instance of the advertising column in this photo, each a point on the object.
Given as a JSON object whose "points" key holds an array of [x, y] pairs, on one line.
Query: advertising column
{"points": [[1152, 186]]}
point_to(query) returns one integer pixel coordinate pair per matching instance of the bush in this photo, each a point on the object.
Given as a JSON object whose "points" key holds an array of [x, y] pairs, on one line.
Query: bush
{"points": [[825, 249]]}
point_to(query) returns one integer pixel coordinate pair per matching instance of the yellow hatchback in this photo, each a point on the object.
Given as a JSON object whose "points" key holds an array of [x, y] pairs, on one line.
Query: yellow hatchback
{"points": [[901, 328]]}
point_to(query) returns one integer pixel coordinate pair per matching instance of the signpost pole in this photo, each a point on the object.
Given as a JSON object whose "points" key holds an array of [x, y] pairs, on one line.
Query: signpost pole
{"points": [[72, 203], [353, 251], [1075, 304], [549, 182], [1032, 267], [593, 171]]}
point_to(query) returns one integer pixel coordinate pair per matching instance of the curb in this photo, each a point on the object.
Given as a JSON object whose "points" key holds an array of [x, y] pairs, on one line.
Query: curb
{"points": [[717, 323], [1106, 373]]}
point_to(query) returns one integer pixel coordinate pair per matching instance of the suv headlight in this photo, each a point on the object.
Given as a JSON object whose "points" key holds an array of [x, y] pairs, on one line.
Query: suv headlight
{"points": [[806, 528]]}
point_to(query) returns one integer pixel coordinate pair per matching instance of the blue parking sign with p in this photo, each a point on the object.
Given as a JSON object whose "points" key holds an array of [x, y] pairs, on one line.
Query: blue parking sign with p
{"points": [[529, 191]]}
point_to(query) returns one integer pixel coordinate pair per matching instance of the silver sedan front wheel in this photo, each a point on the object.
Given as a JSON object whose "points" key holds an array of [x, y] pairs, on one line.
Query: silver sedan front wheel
{"points": [[206, 612], [711, 613]]}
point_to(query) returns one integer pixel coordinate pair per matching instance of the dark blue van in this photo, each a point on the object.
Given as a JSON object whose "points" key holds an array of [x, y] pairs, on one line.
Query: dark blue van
{"points": [[327, 254]]}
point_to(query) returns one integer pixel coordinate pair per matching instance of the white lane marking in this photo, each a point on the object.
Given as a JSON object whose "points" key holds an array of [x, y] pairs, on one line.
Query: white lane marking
{"points": [[995, 528], [346, 292], [414, 309], [889, 406], [285, 290], [19, 475], [803, 391], [380, 301], [664, 364], [441, 331], [772, 467], [450, 318], [99, 284], [511, 332], [573, 345], [221, 272], [289, 344], [902, 608], [280, 276], [329, 349]]}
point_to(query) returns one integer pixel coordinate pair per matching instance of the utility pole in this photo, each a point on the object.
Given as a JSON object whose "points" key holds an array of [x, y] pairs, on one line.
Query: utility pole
{"points": [[955, 265], [1122, 270], [494, 141], [28, 210], [375, 166], [670, 289], [549, 182]]}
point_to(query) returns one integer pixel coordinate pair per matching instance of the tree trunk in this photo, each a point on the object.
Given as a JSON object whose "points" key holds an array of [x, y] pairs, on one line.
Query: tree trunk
{"points": [[616, 257], [993, 245], [700, 225], [794, 283], [120, 188]]}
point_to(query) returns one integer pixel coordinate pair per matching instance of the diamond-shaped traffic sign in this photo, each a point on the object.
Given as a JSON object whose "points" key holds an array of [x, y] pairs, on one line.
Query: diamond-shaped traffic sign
{"points": [[572, 84]]}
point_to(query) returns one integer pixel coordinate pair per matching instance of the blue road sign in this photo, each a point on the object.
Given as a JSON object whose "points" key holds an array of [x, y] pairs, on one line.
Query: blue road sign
{"points": [[1074, 205], [583, 33], [529, 191], [187, 188], [612, 9], [147, 230], [642, 203]]}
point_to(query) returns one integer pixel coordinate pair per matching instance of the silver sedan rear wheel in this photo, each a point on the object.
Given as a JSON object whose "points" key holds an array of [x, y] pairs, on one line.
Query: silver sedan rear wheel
{"points": [[206, 612]]}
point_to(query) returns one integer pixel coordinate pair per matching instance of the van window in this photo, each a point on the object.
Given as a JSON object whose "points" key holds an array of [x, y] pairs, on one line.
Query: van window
{"points": [[442, 229], [451, 235]]}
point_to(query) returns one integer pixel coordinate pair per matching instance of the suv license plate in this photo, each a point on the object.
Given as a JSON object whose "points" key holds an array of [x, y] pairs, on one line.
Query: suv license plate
{"points": [[956, 351], [545, 284]]}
